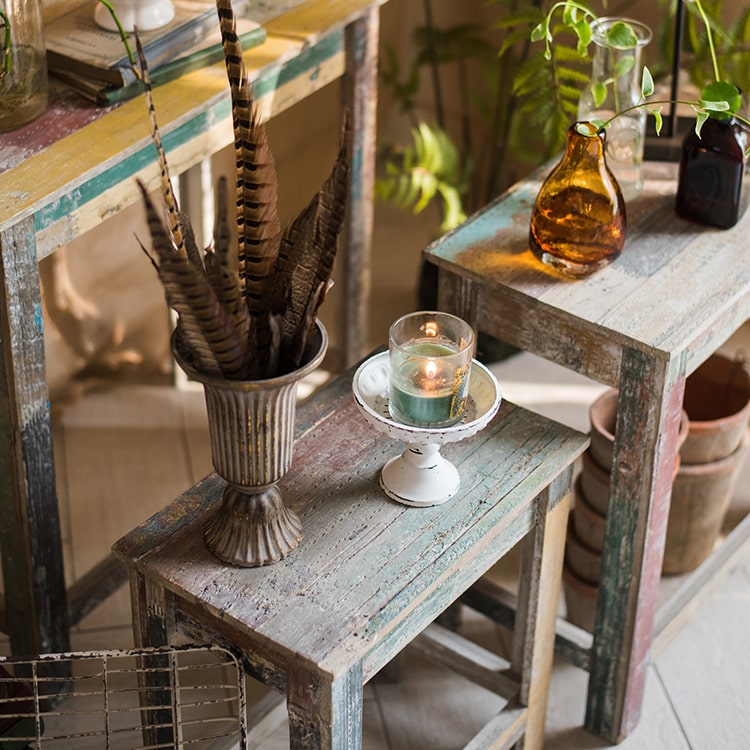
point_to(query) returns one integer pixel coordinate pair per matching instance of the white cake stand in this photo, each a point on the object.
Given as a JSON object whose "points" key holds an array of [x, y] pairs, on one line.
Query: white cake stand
{"points": [[420, 476]]}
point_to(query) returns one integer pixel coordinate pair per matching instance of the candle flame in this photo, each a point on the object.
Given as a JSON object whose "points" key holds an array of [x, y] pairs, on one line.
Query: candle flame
{"points": [[431, 328], [430, 369]]}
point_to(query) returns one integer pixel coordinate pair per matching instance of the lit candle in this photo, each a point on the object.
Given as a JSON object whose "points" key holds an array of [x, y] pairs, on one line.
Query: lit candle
{"points": [[430, 358]]}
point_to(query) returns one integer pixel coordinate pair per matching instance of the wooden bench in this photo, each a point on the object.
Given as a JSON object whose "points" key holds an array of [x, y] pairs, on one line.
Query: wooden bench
{"points": [[371, 575]]}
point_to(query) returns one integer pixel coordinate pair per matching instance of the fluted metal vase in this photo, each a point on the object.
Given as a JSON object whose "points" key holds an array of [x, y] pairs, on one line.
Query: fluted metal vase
{"points": [[251, 426]]}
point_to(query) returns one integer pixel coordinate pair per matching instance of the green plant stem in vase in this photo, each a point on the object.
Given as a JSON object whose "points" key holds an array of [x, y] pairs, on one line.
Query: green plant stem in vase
{"points": [[578, 220], [23, 65], [615, 85], [712, 159]]}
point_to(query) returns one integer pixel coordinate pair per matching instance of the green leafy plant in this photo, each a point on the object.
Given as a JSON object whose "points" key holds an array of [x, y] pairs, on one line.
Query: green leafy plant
{"points": [[430, 168], [435, 168], [719, 98]]}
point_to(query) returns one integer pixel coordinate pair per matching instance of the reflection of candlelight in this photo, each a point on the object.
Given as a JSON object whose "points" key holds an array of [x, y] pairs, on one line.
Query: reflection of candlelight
{"points": [[429, 370], [427, 387]]}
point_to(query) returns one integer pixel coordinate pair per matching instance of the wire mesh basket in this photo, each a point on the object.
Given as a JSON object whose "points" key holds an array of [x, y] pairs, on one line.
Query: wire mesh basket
{"points": [[178, 697]]}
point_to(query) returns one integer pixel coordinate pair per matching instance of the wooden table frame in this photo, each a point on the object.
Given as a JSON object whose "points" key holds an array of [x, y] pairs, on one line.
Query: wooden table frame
{"points": [[64, 187], [641, 325], [370, 575]]}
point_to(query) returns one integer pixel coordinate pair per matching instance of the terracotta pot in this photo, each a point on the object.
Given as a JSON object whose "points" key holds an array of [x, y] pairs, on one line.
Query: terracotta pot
{"points": [[587, 522], [717, 402], [594, 483], [700, 497], [585, 562], [603, 417], [580, 600]]}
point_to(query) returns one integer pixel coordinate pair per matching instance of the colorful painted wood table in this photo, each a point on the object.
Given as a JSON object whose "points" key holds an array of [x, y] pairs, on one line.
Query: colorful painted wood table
{"points": [[641, 325], [77, 165], [371, 574]]}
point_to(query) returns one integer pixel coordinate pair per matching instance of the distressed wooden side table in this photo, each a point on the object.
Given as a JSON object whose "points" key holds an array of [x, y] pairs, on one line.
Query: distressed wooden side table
{"points": [[641, 325], [370, 575], [77, 165]]}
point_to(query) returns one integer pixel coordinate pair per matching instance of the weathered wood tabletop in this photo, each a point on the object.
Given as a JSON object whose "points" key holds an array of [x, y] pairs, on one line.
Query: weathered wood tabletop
{"points": [[370, 574], [642, 324]]}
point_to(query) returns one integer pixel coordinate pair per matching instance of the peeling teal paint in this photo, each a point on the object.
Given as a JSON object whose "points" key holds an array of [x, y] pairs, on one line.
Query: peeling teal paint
{"points": [[485, 227]]}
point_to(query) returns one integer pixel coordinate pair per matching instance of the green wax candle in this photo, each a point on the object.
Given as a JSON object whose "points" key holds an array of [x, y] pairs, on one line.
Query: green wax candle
{"points": [[427, 388]]}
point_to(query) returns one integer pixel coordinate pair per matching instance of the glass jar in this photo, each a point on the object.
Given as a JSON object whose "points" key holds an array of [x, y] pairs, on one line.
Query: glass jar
{"points": [[615, 85], [712, 166], [578, 221], [23, 70]]}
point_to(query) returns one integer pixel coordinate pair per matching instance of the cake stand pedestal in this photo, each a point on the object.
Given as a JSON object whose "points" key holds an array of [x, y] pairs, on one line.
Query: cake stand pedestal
{"points": [[421, 476]]}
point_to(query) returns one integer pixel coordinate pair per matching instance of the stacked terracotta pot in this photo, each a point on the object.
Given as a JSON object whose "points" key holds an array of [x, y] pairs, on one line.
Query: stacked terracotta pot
{"points": [[583, 547], [717, 403], [712, 450]]}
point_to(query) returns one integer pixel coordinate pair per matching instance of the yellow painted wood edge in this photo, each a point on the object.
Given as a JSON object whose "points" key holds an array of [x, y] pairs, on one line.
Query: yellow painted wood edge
{"points": [[92, 149]]}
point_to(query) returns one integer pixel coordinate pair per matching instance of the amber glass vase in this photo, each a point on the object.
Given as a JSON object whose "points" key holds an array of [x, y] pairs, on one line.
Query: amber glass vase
{"points": [[578, 221]]}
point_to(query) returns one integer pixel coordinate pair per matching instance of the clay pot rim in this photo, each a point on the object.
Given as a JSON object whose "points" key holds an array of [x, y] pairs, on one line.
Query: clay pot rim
{"points": [[577, 541], [708, 425], [574, 580], [595, 411], [590, 463], [589, 509], [726, 463]]}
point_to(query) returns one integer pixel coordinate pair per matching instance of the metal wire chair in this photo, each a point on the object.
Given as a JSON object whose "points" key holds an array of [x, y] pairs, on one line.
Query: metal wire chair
{"points": [[178, 697]]}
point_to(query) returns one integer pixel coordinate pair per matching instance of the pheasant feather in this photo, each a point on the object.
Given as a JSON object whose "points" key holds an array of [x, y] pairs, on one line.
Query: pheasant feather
{"points": [[170, 201], [245, 312], [258, 227], [309, 247], [205, 327]]}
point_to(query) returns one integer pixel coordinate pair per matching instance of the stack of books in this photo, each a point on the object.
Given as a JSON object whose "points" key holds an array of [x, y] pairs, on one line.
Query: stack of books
{"points": [[94, 61]]}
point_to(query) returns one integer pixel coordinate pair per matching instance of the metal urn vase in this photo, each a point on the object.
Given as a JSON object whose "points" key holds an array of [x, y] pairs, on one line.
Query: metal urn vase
{"points": [[251, 426]]}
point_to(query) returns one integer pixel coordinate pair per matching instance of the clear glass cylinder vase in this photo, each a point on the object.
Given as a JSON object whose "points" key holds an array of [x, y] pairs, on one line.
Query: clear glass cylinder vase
{"points": [[615, 85], [23, 63]]}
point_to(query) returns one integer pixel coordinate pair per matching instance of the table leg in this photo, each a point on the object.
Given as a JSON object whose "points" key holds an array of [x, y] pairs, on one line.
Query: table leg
{"points": [[324, 715], [538, 596], [360, 96], [645, 451], [154, 627], [33, 571]]}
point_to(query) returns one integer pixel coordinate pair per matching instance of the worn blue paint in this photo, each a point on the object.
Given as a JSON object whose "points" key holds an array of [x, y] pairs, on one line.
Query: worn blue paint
{"points": [[484, 227], [39, 317]]}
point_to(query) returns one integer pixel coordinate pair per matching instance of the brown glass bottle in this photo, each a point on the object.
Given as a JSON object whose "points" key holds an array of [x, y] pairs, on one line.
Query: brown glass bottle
{"points": [[712, 166], [578, 221]]}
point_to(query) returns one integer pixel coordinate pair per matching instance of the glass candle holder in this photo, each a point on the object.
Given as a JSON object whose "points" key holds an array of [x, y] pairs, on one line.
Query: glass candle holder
{"points": [[430, 359]]}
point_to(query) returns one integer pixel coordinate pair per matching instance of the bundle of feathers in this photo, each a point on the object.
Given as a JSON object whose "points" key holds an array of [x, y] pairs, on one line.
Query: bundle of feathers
{"points": [[246, 312]]}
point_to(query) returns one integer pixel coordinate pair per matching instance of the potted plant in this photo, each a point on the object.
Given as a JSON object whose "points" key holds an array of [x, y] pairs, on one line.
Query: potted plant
{"points": [[23, 67], [247, 324], [578, 223]]}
